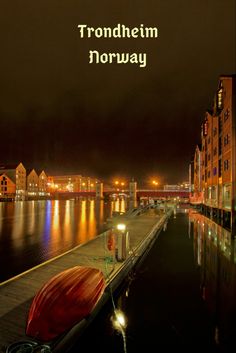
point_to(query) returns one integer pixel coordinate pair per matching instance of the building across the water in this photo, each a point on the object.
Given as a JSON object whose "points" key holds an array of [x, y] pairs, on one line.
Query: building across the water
{"points": [[17, 175], [71, 183], [215, 158], [19, 183]]}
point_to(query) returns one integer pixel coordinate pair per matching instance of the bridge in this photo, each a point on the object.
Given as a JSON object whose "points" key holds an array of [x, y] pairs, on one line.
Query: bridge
{"points": [[140, 193]]}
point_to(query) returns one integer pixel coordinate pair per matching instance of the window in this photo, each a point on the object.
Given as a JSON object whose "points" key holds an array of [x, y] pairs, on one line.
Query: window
{"points": [[215, 151], [214, 131], [209, 140], [220, 97], [226, 114], [214, 171], [226, 164], [208, 174], [226, 140]]}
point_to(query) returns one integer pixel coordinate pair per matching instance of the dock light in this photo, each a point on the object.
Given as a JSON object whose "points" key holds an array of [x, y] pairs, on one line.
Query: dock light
{"points": [[121, 226], [119, 320]]}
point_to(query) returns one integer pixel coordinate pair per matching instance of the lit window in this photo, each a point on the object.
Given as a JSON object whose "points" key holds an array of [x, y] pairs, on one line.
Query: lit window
{"points": [[220, 98]]}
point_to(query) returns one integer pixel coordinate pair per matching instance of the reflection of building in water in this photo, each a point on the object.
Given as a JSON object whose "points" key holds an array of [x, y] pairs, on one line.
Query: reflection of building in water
{"points": [[18, 225], [119, 205], [55, 221], [91, 220], [31, 222], [82, 228], [215, 252]]}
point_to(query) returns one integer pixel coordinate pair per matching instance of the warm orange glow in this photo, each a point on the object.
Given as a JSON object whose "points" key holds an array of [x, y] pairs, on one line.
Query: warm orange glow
{"points": [[122, 184], [116, 182], [91, 220], [82, 229]]}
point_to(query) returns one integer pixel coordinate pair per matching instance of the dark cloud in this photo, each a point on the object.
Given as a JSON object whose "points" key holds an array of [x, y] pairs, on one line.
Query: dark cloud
{"points": [[60, 113]]}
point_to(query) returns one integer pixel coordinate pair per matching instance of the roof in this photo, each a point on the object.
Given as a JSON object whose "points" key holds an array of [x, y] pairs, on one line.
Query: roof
{"points": [[39, 171], [6, 176], [30, 170]]}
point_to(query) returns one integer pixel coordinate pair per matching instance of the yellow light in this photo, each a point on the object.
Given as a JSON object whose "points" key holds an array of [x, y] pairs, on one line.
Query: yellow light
{"points": [[92, 185], [121, 226], [83, 184], [122, 184], [116, 182], [119, 320]]}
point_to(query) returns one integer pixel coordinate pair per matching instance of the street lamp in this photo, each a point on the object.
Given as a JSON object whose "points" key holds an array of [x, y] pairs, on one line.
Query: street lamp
{"points": [[155, 183]]}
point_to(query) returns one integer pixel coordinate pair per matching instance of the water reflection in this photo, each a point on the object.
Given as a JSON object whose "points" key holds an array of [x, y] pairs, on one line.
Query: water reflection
{"points": [[34, 231], [214, 250], [119, 205]]}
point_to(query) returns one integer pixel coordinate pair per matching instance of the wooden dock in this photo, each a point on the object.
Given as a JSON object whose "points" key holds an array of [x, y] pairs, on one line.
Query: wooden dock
{"points": [[16, 294]]}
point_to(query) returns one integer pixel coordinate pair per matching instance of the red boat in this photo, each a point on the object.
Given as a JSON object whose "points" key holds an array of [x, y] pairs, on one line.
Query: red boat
{"points": [[63, 301]]}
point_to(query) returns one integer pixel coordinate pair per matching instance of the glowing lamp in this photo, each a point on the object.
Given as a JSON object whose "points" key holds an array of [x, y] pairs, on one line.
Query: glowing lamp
{"points": [[121, 226]]}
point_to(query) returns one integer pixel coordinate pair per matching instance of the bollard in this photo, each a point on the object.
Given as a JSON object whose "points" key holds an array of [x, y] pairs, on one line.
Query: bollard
{"points": [[122, 241]]}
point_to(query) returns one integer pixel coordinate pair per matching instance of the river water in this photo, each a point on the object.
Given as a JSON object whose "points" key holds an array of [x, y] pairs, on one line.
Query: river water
{"points": [[32, 232], [181, 298]]}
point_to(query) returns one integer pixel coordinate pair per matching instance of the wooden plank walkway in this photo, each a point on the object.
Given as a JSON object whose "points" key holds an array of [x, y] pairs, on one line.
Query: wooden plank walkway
{"points": [[16, 295]]}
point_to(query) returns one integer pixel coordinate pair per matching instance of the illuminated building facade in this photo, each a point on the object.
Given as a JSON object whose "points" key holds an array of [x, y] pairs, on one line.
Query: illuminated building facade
{"points": [[43, 183], [17, 173], [32, 183], [7, 187], [218, 156], [65, 183], [71, 183]]}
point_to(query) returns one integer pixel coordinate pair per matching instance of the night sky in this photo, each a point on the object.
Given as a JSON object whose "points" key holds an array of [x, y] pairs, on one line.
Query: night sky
{"points": [[60, 113]]}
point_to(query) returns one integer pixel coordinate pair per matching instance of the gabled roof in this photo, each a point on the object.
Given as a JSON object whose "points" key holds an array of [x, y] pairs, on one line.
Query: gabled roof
{"points": [[28, 171], [7, 176], [40, 171]]}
